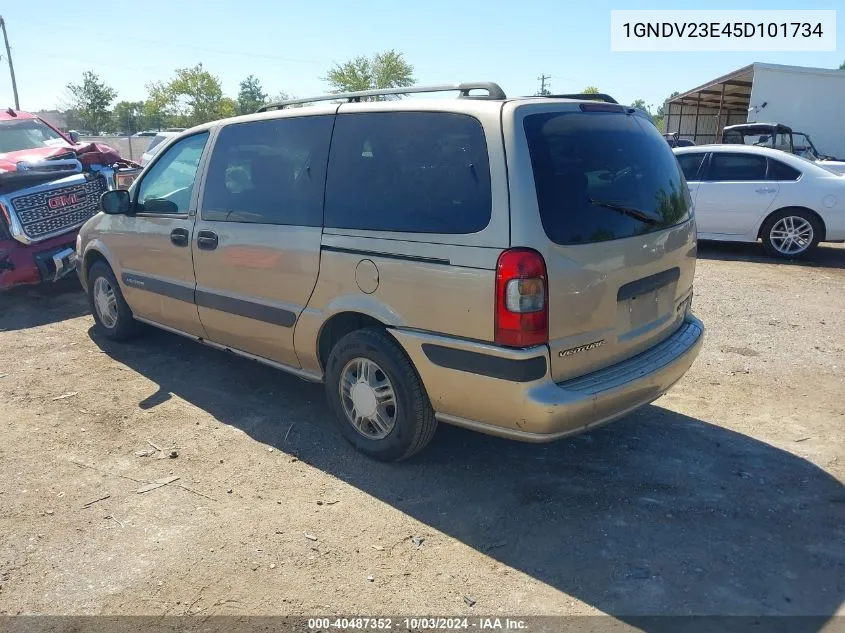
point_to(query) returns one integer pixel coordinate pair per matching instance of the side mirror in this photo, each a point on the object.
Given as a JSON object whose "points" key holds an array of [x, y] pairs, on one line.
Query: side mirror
{"points": [[73, 136], [115, 202]]}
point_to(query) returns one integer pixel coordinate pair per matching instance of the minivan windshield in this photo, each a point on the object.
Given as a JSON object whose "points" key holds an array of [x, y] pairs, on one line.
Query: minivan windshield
{"points": [[603, 176]]}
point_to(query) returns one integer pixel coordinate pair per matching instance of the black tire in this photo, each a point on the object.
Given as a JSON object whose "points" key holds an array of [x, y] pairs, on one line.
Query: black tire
{"points": [[774, 218], [415, 424], [126, 327]]}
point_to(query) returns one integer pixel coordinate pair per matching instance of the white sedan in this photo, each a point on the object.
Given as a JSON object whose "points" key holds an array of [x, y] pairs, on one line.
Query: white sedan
{"points": [[742, 194]]}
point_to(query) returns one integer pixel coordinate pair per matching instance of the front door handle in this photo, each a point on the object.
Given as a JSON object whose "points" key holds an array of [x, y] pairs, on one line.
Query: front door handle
{"points": [[207, 240], [179, 237], [765, 190]]}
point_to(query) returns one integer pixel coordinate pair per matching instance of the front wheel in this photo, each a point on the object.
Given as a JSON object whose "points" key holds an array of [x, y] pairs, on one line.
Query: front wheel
{"points": [[111, 312], [377, 397], [791, 233]]}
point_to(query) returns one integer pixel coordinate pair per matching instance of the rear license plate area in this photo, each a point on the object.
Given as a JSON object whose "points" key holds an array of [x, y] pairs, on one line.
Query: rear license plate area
{"points": [[644, 308]]}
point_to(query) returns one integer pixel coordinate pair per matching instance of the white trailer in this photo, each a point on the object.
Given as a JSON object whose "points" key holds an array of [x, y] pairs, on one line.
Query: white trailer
{"points": [[809, 100]]}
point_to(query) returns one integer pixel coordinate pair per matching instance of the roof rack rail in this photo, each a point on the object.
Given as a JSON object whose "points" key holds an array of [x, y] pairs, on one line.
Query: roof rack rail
{"points": [[494, 92], [586, 96]]}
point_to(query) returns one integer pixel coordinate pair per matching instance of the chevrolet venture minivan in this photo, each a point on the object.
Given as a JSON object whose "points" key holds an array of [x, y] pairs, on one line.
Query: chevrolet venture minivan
{"points": [[521, 267]]}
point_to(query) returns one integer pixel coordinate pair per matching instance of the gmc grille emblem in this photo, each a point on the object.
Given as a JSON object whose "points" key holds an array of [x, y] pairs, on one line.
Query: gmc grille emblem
{"points": [[65, 200]]}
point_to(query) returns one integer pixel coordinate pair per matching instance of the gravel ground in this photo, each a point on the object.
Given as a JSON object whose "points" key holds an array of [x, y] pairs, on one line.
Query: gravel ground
{"points": [[723, 497]]}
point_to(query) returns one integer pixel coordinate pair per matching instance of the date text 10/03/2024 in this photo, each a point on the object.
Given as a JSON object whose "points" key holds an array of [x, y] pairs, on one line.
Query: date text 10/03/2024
{"points": [[417, 624]]}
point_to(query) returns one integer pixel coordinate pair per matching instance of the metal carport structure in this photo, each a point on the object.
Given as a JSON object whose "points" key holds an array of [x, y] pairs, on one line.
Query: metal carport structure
{"points": [[700, 114]]}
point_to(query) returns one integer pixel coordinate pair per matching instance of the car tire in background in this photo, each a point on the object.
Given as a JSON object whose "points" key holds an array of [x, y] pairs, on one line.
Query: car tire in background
{"points": [[377, 397], [791, 233], [112, 314]]}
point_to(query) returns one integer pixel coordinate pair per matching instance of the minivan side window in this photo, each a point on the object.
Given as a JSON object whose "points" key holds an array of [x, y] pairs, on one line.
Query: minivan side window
{"points": [[413, 172], [690, 164], [168, 185], [736, 167], [269, 172]]}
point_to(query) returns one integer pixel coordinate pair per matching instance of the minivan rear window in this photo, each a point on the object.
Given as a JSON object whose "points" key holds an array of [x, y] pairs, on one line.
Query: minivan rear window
{"points": [[603, 176]]}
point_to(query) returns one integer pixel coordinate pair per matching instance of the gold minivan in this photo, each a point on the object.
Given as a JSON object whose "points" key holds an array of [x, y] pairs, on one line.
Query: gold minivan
{"points": [[521, 267]]}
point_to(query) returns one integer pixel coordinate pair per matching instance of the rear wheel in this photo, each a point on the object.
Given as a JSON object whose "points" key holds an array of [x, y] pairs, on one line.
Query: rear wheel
{"points": [[377, 397], [791, 233], [111, 312]]}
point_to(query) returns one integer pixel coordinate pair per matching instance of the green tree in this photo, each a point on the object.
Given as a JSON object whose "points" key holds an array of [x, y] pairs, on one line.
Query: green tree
{"points": [[383, 70], [284, 96], [842, 66], [251, 96], [590, 90], [662, 109], [128, 117], [226, 108], [191, 97], [159, 109], [197, 96], [280, 96], [642, 105], [659, 117], [72, 120], [90, 101]]}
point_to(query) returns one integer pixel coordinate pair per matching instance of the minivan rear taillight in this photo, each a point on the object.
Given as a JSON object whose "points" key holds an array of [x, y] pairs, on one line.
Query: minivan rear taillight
{"points": [[522, 299]]}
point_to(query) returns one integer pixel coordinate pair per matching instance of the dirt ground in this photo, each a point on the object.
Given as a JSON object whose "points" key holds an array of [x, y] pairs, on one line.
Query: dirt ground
{"points": [[724, 497]]}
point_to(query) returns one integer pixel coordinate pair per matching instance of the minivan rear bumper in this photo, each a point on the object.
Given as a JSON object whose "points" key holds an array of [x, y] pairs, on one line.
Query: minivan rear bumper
{"points": [[510, 393]]}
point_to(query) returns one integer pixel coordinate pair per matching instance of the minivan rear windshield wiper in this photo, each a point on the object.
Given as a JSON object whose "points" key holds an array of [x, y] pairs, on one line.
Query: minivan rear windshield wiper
{"points": [[629, 211]]}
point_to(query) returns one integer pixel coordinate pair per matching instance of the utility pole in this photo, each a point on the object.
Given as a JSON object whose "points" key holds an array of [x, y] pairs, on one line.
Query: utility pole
{"points": [[11, 66], [542, 79]]}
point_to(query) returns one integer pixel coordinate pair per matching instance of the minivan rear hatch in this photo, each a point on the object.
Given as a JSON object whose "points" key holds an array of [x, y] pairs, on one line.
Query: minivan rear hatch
{"points": [[605, 203]]}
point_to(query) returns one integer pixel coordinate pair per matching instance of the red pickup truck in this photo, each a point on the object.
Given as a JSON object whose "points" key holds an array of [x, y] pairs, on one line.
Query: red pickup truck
{"points": [[50, 184]]}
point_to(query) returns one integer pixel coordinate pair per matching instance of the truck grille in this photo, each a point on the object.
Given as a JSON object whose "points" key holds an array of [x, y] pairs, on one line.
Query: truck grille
{"points": [[56, 210]]}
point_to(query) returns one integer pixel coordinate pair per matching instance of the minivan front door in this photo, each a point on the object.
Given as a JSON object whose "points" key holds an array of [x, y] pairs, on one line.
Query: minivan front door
{"points": [[153, 242], [257, 240]]}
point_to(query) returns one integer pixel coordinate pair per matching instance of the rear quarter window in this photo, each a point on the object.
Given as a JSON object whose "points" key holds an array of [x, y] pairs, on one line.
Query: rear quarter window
{"points": [[413, 172], [603, 176], [782, 172], [691, 165]]}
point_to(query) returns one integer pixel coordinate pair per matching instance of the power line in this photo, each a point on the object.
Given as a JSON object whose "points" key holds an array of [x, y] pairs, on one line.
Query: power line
{"points": [[164, 43], [94, 62]]}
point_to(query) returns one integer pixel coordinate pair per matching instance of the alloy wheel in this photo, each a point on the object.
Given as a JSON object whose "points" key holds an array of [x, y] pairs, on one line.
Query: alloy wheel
{"points": [[791, 235], [368, 398], [105, 302]]}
